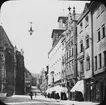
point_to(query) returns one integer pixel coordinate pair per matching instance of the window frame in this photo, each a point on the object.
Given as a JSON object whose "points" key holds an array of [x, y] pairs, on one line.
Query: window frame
{"points": [[99, 37], [87, 44], [104, 53], [86, 21], [82, 66], [88, 63], [100, 61], [96, 63], [81, 46], [103, 31]]}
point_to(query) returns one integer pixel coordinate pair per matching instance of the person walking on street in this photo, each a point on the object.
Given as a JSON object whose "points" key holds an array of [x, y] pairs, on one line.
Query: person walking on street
{"points": [[31, 95], [35, 94]]}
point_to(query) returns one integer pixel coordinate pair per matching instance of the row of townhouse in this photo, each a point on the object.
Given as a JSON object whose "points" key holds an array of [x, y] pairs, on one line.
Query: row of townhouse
{"points": [[11, 66], [77, 59]]}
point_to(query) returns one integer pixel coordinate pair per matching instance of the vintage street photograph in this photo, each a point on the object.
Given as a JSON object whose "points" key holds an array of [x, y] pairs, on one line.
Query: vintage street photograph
{"points": [[52, 52]]}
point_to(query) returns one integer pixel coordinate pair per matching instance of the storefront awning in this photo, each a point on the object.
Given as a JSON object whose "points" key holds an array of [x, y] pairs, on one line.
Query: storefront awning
{"points": [[50, 90], [57, 89], [79, 86]]}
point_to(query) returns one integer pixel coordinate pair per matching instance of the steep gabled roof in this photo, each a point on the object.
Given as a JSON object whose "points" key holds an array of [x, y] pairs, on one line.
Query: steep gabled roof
{"points": [[4, 40]]}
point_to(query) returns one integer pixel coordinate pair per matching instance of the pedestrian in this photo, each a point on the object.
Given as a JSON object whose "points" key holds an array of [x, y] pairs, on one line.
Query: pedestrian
{"points": [[35, 94], [31, 95]]}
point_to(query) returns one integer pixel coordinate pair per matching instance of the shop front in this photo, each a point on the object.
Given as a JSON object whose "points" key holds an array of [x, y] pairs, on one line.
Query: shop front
{"points": [[70, 83], [78, 91], [99, 87], [88, 89]]}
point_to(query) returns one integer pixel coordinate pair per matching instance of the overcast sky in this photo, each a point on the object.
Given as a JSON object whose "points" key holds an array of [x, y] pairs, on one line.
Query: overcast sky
{"points": [[16, 17]]}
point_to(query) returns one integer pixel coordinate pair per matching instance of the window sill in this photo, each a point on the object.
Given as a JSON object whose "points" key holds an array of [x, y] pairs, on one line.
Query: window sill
{"points": [[98, 41], [87, 69], [80, 31], [87, 47], [97, 16], [86, 25], [103, 37]]}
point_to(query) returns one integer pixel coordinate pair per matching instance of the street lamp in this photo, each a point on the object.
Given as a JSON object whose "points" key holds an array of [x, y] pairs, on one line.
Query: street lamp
{"points": [[31, 30]]}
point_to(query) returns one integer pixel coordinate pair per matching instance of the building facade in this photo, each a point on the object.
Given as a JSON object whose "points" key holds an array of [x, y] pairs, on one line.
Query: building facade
{"points": [[6, 64], [84, 50], [99, 50], [20, 77], [69, 52], [83, 53], [54, 56], [91, 50]]}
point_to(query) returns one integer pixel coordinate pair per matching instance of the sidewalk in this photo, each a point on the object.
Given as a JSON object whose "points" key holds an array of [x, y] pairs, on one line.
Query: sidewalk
{"points": [[2, 96], [68, 102]]}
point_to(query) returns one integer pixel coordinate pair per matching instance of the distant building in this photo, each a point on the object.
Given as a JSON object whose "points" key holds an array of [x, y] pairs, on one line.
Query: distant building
{"points": [[54, 56], [20, 77], [28, 81]]}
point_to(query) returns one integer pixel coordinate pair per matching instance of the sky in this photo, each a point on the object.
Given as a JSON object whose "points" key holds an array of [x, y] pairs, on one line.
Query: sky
{"points": [[16, 16]]}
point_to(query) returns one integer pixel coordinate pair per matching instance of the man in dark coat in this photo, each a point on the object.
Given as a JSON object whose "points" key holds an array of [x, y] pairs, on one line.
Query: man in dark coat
{"points": [[31, 95]]}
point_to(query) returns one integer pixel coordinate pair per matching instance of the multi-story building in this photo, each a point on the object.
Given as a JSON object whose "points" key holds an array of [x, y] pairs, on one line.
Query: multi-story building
{"points": [[54, 56], [28, 81], [20, 70], [84, 49], [91, 51], [69, 52], [99, 50]]}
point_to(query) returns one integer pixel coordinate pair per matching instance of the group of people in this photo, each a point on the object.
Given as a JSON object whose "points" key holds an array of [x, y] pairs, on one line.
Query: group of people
{"points": [[57, 95]]}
